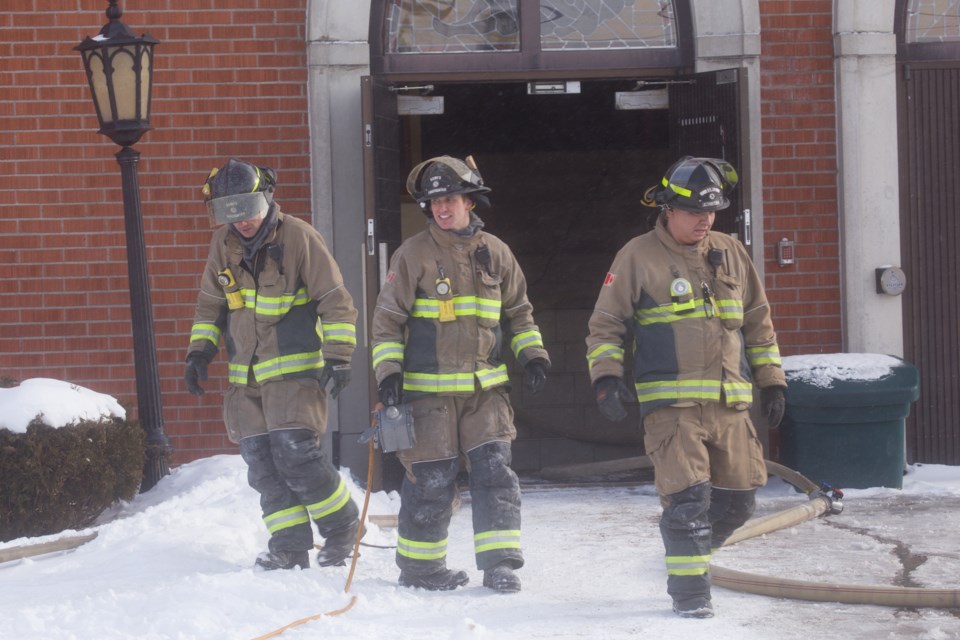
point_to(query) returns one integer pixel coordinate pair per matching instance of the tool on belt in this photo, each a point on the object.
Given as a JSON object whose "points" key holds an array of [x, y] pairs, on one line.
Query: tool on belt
{"points": [[391, 427], [234, 297]]}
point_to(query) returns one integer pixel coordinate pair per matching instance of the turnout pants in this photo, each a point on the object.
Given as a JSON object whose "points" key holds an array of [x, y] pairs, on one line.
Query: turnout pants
{"points": [[477, 429], [708, 464], [278, 426]]}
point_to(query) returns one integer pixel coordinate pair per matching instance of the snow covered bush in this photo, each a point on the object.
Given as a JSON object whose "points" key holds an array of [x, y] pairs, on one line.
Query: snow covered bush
{"points": [[63, 476]]}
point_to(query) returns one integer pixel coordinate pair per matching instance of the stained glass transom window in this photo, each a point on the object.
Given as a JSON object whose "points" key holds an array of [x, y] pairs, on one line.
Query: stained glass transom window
{"points": [[462, 26], [606, 24], [933, 21], [453, 26]]}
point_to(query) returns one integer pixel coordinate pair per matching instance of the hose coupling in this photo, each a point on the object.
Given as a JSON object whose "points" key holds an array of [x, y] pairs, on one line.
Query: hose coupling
{"points": [[833, 496]]}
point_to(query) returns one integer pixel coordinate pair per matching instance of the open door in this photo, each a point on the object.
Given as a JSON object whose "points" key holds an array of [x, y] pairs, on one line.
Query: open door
{"points": [[568, 172], [705, 120], [382, 187]]}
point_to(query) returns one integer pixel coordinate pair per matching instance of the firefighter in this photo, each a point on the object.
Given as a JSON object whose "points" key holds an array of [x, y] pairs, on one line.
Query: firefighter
{"points": [[272, 293], [437, 345], [703, 337]]}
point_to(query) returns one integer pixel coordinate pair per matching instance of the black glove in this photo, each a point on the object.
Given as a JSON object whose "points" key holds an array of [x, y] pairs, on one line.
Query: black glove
{"points": [[340, 372], [196, 371], [391, 389], [772, 405], [536, 374], [611, 392]]}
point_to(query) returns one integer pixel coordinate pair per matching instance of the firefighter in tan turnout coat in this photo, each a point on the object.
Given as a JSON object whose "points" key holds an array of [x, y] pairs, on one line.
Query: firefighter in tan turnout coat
{"points": [[702, 338], [272, 293], [437, 345]]}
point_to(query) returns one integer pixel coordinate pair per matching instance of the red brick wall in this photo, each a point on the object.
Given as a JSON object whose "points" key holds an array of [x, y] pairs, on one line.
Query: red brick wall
{"points": [[800, 195], [230, 80]]}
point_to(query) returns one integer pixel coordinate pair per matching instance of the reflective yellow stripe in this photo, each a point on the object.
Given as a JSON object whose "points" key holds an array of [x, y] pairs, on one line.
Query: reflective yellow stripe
{"points": [[438, 382], [274, 305], [205, 331], [492, 377], [678, 390], [601, 351], [672, 312], [676, 188], [387, 351], [767, 354], [525, 339], [454, 382], [421, 550], [687, 565], [738, 391], [238, 373], [491, 540], [730, 309], [332, 504], [285, 365], [463, 306], [342, 332], [285, 519]]}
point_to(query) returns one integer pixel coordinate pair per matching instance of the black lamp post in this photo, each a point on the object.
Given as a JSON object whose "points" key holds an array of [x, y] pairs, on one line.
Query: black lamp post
{"points": [[119, 68]]}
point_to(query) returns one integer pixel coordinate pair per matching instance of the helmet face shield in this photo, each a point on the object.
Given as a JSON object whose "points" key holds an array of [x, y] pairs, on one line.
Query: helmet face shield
{"points": [[238, 191], [237, 208]]}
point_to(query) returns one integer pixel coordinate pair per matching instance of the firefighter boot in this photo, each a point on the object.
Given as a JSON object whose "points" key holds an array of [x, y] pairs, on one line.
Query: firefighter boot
{"points": [[693, 608], [338, 545], [440, 580], [502, 578], [271, 560]]}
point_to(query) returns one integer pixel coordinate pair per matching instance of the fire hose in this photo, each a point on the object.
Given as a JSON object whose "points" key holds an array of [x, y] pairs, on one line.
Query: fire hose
{"points": [[820, 503]]}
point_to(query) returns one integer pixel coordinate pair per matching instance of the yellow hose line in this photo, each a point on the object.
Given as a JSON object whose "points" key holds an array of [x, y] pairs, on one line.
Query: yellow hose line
{"points": [[881, 595], [780, 520], [833, 592], [297, 623], [353, 563], [363, 518]]}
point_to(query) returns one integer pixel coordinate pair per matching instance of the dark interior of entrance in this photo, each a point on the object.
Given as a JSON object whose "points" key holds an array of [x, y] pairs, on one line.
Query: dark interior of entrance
{"points": [[567, 173]]}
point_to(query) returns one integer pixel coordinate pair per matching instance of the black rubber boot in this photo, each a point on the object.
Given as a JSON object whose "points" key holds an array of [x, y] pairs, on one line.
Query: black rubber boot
{"points": [[693, 608], [272, 560], [442, 580], [338, 546], [502, 578]]}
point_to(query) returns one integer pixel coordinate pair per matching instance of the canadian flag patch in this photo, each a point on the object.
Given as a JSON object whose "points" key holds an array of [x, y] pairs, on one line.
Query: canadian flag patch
{"points": [[390, 276], [609, 279]]}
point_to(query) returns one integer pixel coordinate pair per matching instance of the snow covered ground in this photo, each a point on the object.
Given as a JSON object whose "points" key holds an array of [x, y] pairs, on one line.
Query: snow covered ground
{"points": [[175, 563]]}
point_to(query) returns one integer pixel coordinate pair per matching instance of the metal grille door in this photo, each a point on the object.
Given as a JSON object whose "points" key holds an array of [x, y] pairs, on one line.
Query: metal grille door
{"points": [[930, 239]]}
